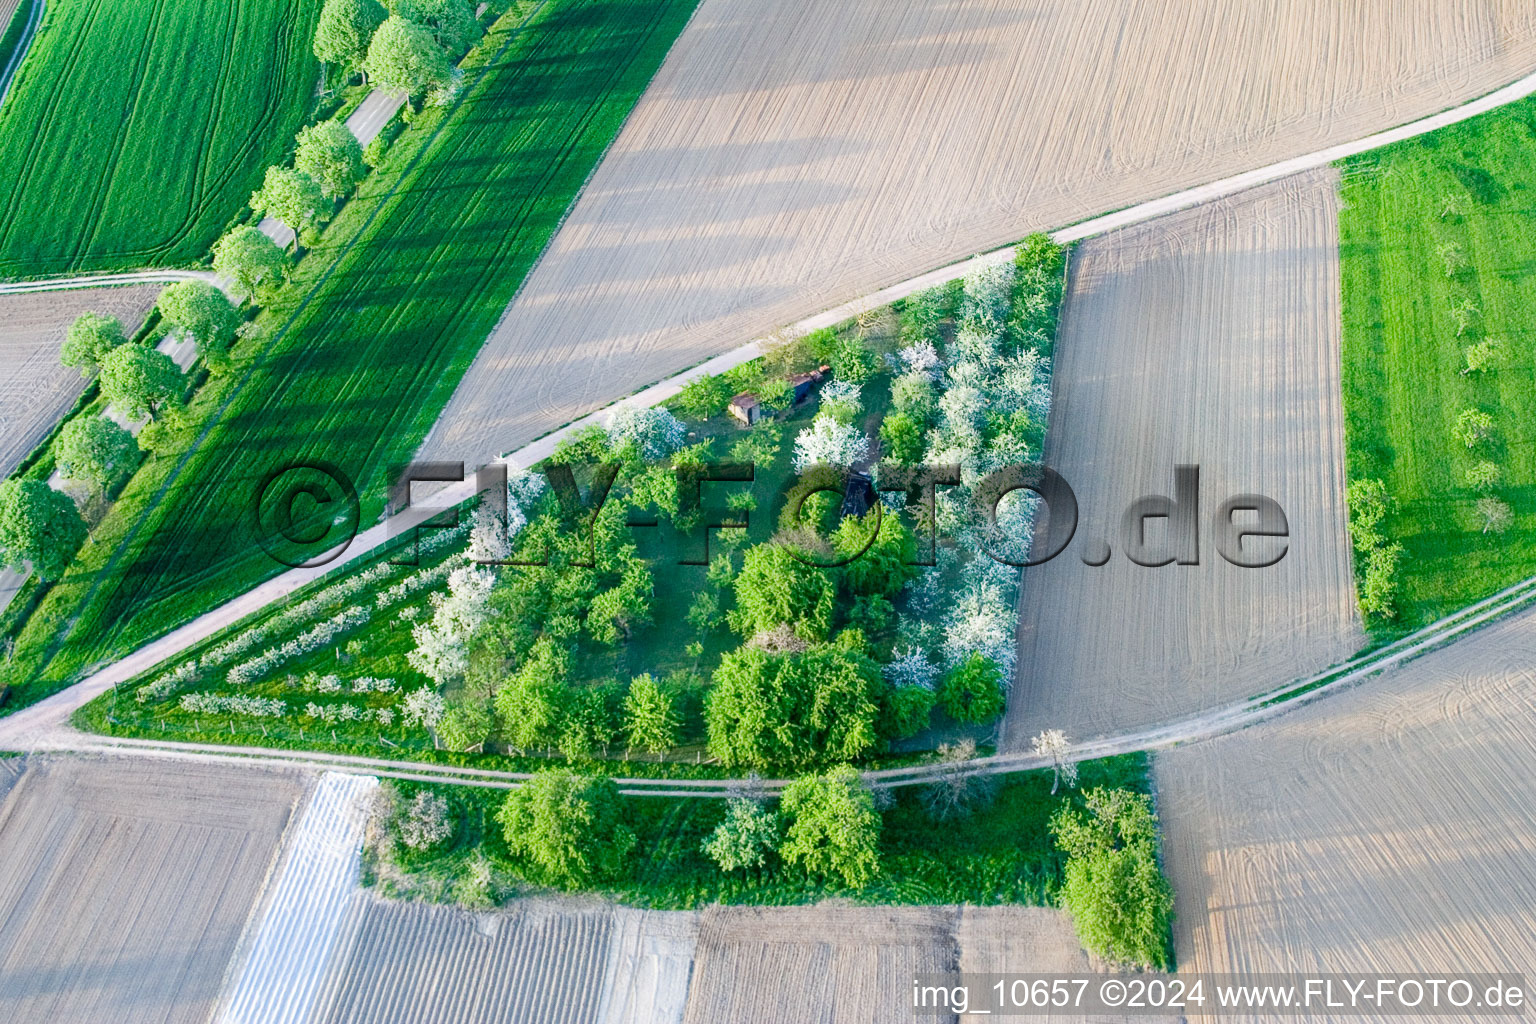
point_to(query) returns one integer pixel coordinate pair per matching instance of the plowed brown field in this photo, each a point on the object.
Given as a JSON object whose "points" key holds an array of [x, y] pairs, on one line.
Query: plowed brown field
{"points": [[1210, 338], [125, 885], [34, 389], [1390, 828]]}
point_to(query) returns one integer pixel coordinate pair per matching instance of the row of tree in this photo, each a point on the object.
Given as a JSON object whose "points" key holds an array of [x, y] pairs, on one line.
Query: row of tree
{"points": [[410, 46]]}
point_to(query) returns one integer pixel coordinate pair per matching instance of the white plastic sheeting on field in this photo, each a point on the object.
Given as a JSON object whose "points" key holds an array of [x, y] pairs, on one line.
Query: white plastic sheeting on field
{"points": [[292, 944]]}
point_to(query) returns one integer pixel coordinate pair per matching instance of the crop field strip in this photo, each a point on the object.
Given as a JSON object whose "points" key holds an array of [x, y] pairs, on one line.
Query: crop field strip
{"points": [[125, 885], [1459, 194], [161, 154], [363, 364], [414, 963], [790, 156], [35, 391], [1394, 824], [304, 919], [1209, 337]]}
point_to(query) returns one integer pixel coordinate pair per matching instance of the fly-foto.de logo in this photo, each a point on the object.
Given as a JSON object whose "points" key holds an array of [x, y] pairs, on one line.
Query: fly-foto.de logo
{"points": [[1247, 530]]}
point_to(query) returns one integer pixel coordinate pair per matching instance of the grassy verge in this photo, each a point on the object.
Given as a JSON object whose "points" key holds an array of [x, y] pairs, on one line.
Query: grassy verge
{"points": [[1001, 853], [15, 31], [199, 100], [368, 343], [1436, 240]]}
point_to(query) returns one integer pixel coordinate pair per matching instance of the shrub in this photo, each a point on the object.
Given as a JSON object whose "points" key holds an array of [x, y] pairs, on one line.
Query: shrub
{"points": [[705, 397], [746, 838], [972, 691], [1120, 902]]}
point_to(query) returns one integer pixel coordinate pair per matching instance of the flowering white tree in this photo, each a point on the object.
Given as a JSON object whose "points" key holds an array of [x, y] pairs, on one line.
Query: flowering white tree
{"points": [[1052, 743], [656, 433], [489, 538], [842, 400], [1023, 382], [920, 358], [988, 294], [442, 645], [827, 442], [425, 821], [423, 707], [981, 622], [910, 667], [963, 408]]}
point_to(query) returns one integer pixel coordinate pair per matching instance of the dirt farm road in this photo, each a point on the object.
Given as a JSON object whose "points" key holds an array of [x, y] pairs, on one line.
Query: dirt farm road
{"points": [[50, 732]]}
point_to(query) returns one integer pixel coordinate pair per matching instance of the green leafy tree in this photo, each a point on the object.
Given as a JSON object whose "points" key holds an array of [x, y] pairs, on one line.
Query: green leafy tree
{"points": [[139, 380], [404, 55], [38, 526], [329, 153], [834, 830], [95, 449], [250, 259], [905, 711], [201, 310], [291, 196], [880, 566], [853, 361], [1120, 901], [344, 29], [464, 725], [794, 709], [902, 439], [972, 691], [651, 717], [567, 829], [774, 587], [530, 703], [1473, 426], [587, 722], [451, 22], [616, 612], [88, 341], [746, 838], [704, 397]]}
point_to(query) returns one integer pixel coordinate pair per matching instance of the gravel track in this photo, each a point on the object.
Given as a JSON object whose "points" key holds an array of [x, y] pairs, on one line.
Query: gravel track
{"points": [[125, 885], [791, 154], [1210, 338], [1392, 828]]}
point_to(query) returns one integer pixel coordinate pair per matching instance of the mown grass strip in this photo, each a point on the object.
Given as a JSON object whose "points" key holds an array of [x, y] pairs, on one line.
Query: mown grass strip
{"points": [[1430, 226]]}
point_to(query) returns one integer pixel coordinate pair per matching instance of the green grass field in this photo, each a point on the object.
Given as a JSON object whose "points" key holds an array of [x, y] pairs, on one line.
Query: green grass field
{"points": [[368, 343], [1468, 189], [1002, 853], [134, 131]]}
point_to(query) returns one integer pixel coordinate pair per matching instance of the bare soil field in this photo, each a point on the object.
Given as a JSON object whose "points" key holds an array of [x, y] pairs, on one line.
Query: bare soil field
{"points": [[34, 389], [1209, 338], [1389, 828], [125, 885], [793, 154], [816, 965], [539, 963]]}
